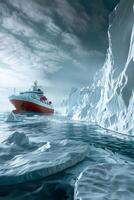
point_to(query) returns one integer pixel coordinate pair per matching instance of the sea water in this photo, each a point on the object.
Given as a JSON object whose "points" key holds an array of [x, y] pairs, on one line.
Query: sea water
{"points": [[43, 157]]}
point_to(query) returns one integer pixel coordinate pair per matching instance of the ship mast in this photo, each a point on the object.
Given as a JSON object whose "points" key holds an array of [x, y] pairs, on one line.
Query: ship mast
{"points": [[35, 86]]}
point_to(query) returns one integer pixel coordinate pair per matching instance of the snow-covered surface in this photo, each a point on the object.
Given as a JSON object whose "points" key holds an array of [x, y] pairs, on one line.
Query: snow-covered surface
{"points": [[109, 102], [106, 181], [23, 161]]}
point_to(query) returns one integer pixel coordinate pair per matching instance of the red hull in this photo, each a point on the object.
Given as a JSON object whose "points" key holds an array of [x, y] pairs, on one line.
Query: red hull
{"points": [[29, 106]]}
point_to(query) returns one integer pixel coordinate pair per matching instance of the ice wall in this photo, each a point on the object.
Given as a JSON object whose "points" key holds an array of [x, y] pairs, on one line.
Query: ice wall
{"points": [[109, 102]]}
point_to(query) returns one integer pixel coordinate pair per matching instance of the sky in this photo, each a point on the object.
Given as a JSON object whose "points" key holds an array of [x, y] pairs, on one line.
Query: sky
{"points": [[60, 43]]}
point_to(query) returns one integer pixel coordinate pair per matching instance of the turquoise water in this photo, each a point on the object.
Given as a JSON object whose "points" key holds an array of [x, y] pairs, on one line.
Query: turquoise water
{"points": [[64, 146]]}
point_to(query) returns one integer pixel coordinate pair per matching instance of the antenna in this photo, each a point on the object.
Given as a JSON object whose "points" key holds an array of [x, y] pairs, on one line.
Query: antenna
{"points": [[35, 85]]}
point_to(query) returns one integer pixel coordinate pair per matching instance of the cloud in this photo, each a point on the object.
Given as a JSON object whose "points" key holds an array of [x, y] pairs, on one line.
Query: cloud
{"points": [[43, 40], [30, 49], [70, 16]]}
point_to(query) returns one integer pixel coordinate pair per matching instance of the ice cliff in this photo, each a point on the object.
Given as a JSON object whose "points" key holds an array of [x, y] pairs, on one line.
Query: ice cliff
{"points": [[109, 101]]}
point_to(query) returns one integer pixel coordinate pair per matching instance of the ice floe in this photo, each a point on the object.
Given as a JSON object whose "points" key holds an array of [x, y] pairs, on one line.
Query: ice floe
{"points": [[48, 159], [106, 181]]}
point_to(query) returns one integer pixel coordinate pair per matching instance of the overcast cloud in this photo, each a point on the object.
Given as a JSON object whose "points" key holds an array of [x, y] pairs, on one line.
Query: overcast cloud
{"points": [[60, 43]]}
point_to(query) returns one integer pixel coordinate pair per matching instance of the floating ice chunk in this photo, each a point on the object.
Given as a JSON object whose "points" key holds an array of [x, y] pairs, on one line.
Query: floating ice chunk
{"points": [[45, 147], [106, 181], [19, 139], [12, 118], [38, 164]]}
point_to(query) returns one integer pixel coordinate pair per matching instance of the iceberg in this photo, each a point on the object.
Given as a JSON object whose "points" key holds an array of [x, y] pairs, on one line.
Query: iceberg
{"points": [[109, 101]]}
